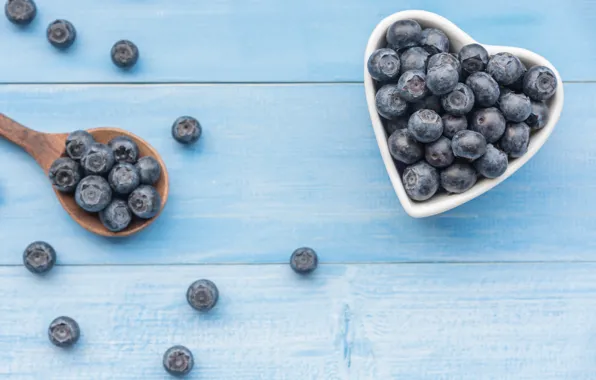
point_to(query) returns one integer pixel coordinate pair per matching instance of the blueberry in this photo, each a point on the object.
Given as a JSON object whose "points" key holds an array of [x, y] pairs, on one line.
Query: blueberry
{"points": [[144, 202], [389, 104], [538, 116], [441, 80], [515, 107], [149, 170], [468, 144], [65, 174], [434, 41], [431, 102], [20, 12], [518, 85], [304, 260], [116, 216], [459, 101], [404, 147], [125, 150], [404, 33], [125, 54], [64, 332], [61, 34], [414, 58], [412, 86], [489, 122], [515, 140], [439, 153], [421, 181], [39, 257], [98, 159], [453, 124], [77, 144], [186, 130], [93, 193], [124, 178], [540, 83], [384, 65], [443, 59], [178, 361], [458, 177], [425, 125], [202, 295], [505, 68], [485, 88], [492, 164], [473, 58]]}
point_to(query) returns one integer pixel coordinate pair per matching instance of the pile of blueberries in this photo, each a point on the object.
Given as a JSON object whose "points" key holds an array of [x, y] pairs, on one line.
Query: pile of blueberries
{"points": [[452, 118], [62, 34], [202, 295], [111, 179]]}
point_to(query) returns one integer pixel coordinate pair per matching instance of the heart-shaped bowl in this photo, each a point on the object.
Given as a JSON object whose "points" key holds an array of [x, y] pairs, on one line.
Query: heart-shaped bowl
{"points": [[444, 202]]}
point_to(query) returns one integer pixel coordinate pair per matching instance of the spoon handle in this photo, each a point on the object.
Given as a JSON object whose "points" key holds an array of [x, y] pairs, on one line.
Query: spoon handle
{"points": [[43, 147]]}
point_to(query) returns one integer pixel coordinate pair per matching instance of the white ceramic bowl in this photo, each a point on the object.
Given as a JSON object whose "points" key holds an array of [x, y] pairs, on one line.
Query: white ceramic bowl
{"points": [[443, 202]]}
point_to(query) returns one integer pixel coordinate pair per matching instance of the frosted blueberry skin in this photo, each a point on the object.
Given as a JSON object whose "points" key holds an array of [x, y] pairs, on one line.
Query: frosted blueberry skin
{"points": [[64, 332], [125, 149], [460, 101], [493, 163], [116, 216], [468, 144], [540, 83], [404, 33], [389, 103], [404, 147], [186, 130], [505, 68], [304, 260], [453, 124], [178, 361], [434, 41], [39, 257], [77, 144], [412, 86], [515, 107], [149, 170], [473, 58], [485, 88], [421, 181], [425, 125], [202, 295], [98, 159], [441, 80], [93, 193], [444, 59], [144, 202], [538, 116], [458, 178], [489, 122], [414, 58], [125, 54], [65, 174], [384, 65], [515, 140], [20, 12], [439, 153], [431, 102], [61, 34], [124, 178]]}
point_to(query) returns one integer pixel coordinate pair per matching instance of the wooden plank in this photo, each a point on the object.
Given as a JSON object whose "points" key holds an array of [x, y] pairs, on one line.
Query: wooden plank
{"points": [[271, 40], [418, 321], [285, 166]]}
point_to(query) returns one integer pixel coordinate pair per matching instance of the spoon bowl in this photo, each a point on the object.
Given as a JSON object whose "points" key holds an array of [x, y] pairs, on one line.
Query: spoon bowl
{"points": [[45, 148]]}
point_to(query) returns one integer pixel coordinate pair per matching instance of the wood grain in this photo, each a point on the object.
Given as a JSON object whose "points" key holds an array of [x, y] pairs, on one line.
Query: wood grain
{"points": [[280, 167], [272, 40], [415, 321]]}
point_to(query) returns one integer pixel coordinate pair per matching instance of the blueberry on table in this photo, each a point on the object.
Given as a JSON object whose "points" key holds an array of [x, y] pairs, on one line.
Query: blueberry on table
{"points": [[473, 58], [186, 130], [77, 144], [202, 295], [144, 202], [439, 153], [540, 83], [468, 144], [459, 101], [65, 174], [485, 88], [125, 54], [434, 41], [431, 102], [61, 34], [304, 260], [493, 163], [124, 178], [441, 79], [414, 58], [490, 122], [425, 125], [515, 140], [125, 150], [538, 116], [404, 147], [98, 159], [178, 361], [384, 65], [116, 216], [444, 59], [93, 193], [458, 178], [20, 12], [453, 124], [149, 170], [421, 181], [412, 85], [515, 107], [404, 33], [506, 68], [64, 332], [39, 257]]}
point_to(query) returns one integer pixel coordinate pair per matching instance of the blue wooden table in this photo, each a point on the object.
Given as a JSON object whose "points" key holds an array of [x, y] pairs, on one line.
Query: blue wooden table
{"points": [[503, 287]]}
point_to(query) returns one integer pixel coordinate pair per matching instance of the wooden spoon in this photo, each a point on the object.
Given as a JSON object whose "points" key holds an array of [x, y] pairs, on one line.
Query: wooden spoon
{"points": [[45, 148]]}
